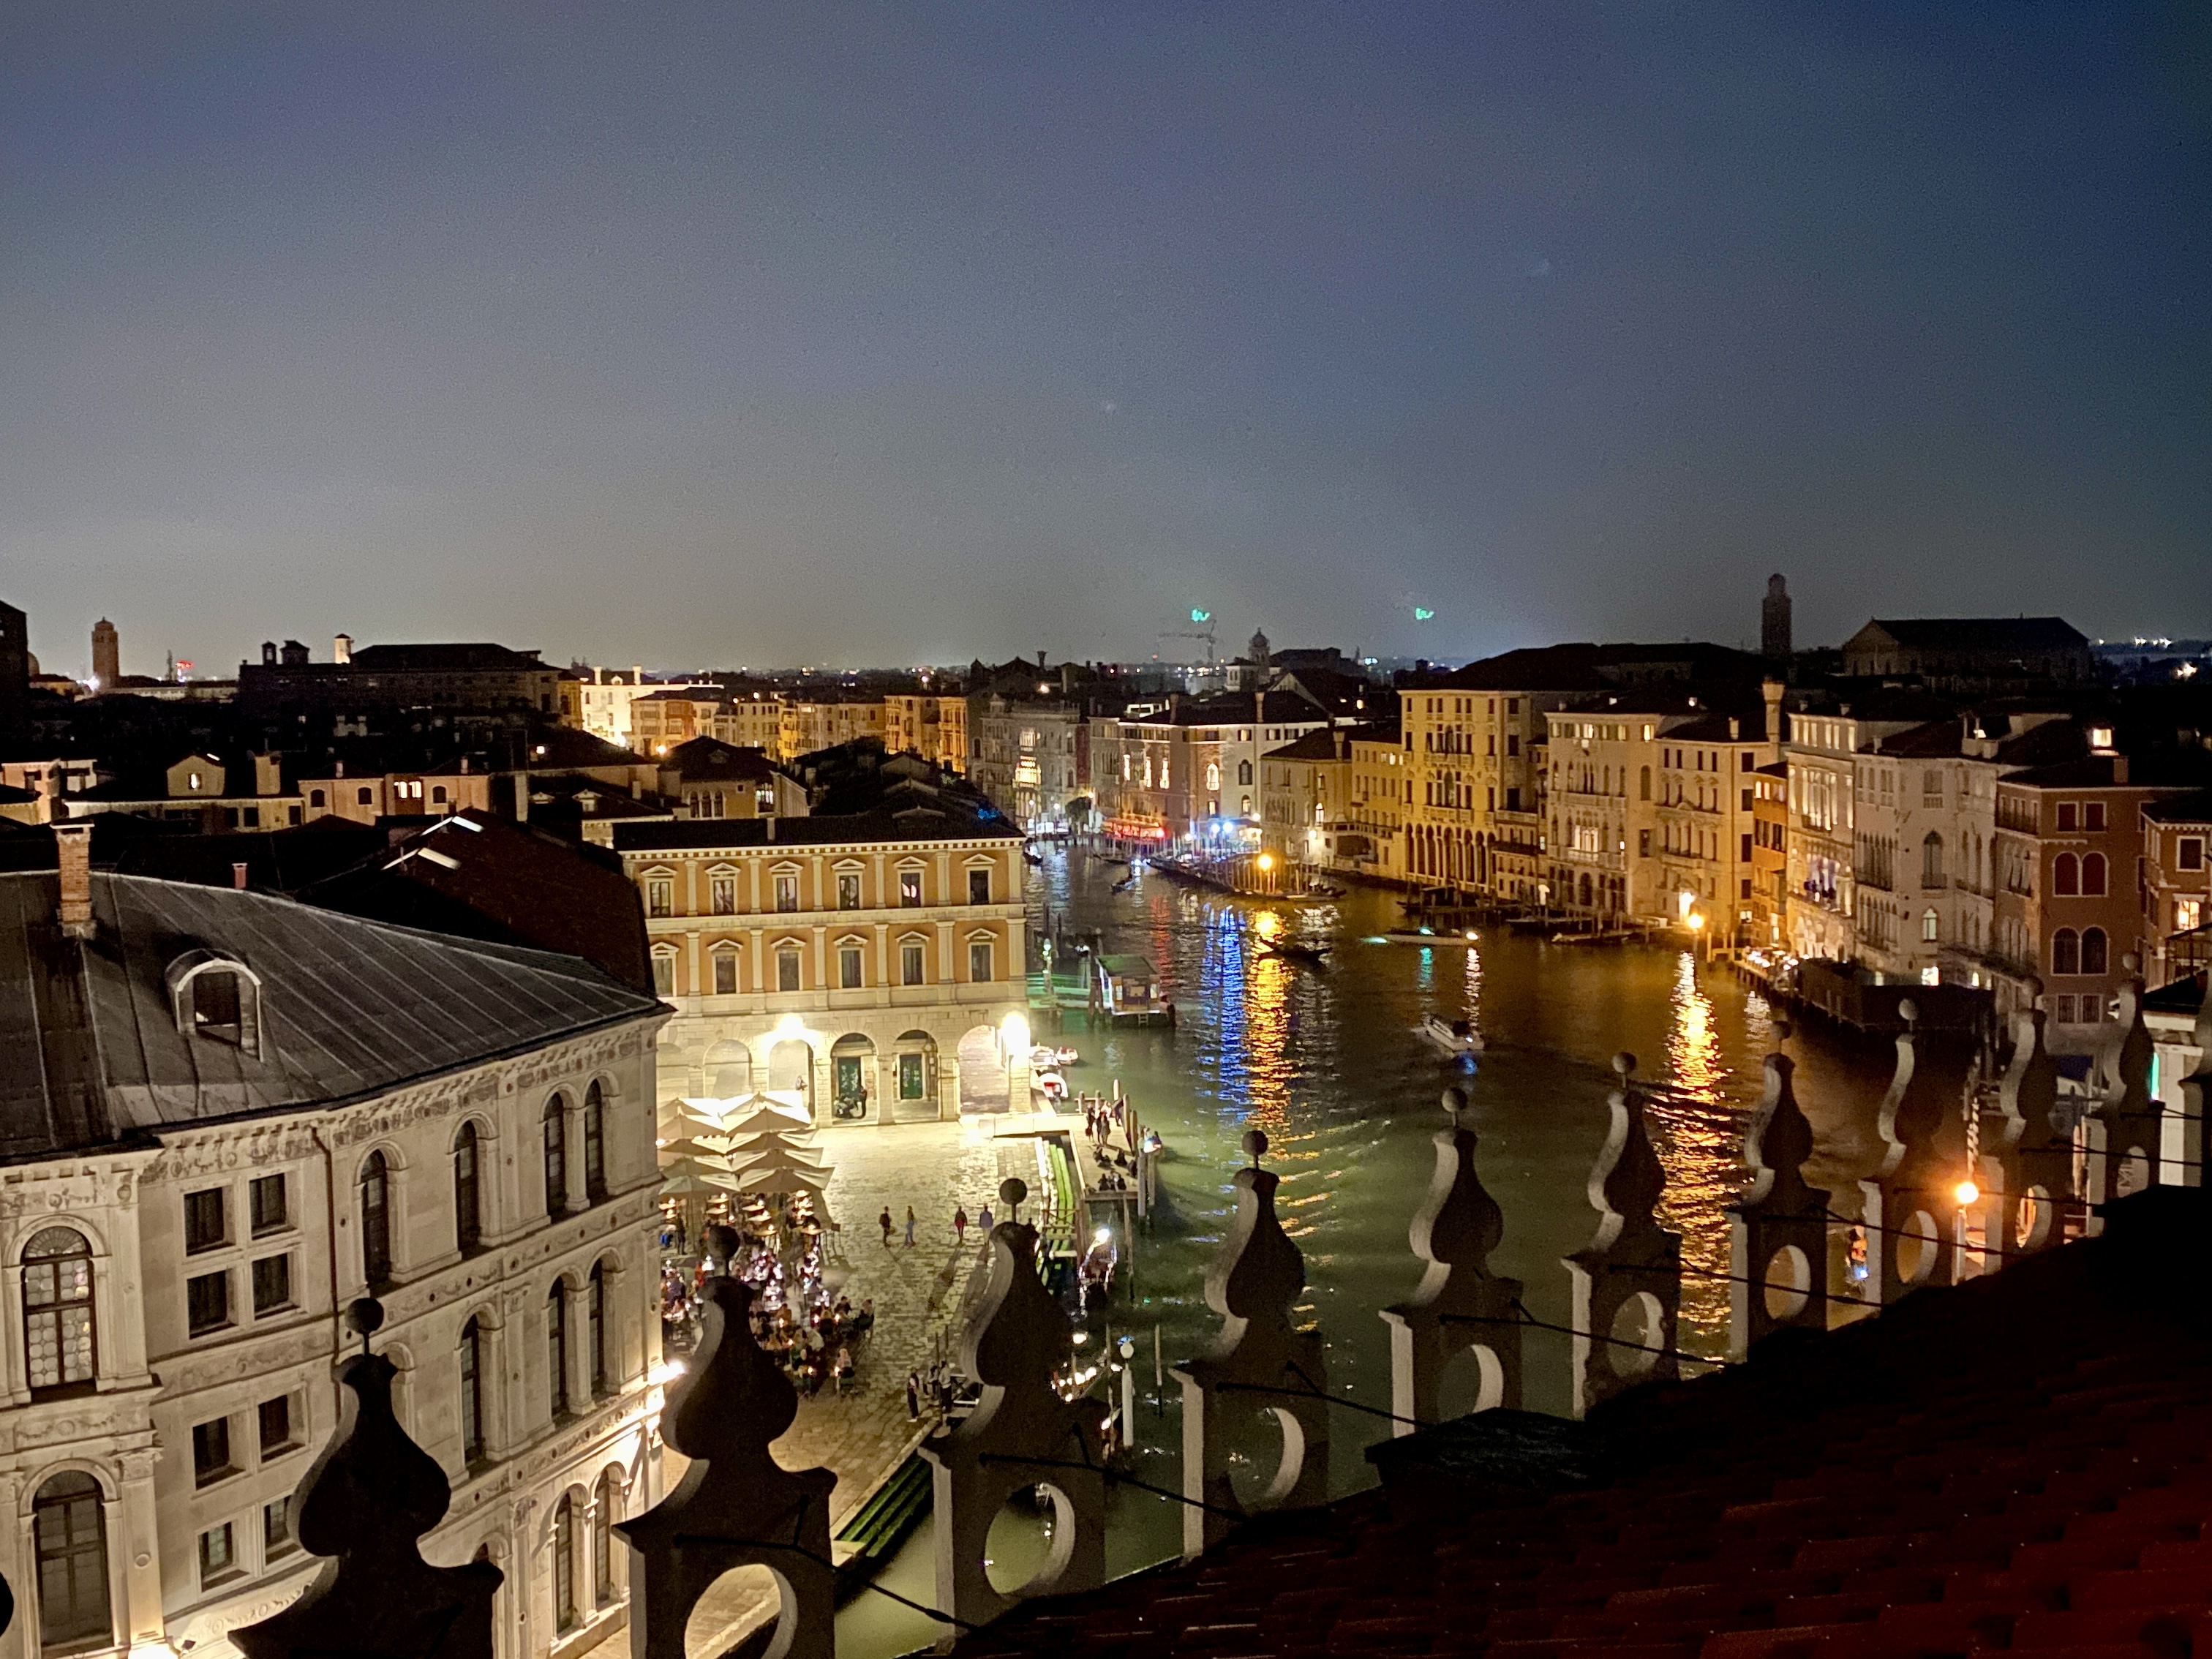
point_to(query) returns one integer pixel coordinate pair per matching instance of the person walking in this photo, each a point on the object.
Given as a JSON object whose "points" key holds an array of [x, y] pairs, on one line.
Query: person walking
{"points": [[959, 1226], [910, 1226], [983, 1218], [885, 1220], [913, 1396]]}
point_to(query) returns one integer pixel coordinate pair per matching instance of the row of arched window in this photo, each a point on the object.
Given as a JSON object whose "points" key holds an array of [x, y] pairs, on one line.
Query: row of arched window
{"points": [[606, 1501], [375, 1192], [2086, 952], [2082, 877], [602, 1371]]}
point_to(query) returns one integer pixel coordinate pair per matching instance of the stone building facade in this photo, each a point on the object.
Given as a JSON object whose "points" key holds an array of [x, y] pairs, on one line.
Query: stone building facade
{"points": [[875, 962], [290, 1108]]}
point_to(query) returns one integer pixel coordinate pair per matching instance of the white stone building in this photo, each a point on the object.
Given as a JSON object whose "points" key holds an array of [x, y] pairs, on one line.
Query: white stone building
{"points": [[223, 1116]]}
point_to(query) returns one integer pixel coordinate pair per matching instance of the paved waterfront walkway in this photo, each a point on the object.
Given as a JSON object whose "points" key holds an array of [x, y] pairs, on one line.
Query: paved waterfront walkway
{"points": [[864, 1434]]}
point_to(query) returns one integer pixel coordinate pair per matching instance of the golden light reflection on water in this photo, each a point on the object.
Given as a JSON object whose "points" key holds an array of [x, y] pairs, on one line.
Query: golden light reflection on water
{"points": [[1698, 1131]]}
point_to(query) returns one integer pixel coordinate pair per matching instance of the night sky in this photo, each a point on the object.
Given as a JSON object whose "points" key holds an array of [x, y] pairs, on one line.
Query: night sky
{"points": [[732, 334]]}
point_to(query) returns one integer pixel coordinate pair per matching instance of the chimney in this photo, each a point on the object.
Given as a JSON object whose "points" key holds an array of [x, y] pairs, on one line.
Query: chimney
{"points": [[238, 877], [268, 775], [1735, 729], [522, 797], [342, 648], [268, 653], [2120, 768], [1771, 690], [73, 844]]}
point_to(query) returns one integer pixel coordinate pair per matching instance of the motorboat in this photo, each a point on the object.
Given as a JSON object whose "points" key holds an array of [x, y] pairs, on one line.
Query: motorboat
{"points": [[1051, 1084], [1453, 1036], [1044, 1057], [1427, 936], [1312, 955], [1126, 883]]}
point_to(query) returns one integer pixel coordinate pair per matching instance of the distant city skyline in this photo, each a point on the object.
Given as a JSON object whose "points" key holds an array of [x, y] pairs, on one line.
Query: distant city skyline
{"points": [[868, 335]]}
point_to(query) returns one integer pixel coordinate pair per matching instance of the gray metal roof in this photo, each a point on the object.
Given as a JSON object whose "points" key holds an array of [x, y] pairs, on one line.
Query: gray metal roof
{"points": [[90, 1050]]}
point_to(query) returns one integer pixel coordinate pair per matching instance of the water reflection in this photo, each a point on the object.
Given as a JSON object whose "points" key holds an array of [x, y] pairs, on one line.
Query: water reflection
{"points": [[1698, 1132]]}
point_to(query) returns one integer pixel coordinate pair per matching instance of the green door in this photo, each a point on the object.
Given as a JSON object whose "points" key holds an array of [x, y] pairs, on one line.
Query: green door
{"points": [[909, 1077]]}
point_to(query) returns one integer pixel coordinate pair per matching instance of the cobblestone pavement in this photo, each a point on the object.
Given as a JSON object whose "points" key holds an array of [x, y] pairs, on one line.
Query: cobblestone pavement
{"points": [[864, 1434]]}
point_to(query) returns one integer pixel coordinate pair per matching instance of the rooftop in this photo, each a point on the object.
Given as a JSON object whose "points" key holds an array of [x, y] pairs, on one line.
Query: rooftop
{"points": [[2019, 1463], [347, 1008], [948, 820], [1975, 633]]}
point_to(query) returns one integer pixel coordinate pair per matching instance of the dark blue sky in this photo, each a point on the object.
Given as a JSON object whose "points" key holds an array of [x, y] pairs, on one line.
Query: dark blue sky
{"points": [[725, 333]]}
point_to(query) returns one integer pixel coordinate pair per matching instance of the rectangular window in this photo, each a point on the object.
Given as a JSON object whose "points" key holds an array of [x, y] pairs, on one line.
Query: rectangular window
{"points": [[2190, 854], [910, 964], [661, 897], [218, 1556], [786, 971], [722, 894], [1746, 794], [207, 1302], [1512, 745], [726, 972], [277, 1426], [1747, 849], [204, 1221], [978, 887], [2065, 816], [848, 967], [978, 962], [786, 892], [272, 1284], [272, 1213], [910, 889], [1643, 843], [277, 1529], [211, 1451], [2093, 815], [663, 974], [848, 892]]}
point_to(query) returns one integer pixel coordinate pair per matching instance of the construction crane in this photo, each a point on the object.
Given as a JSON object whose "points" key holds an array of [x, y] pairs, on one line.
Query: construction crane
{"points": [[1201, 628]]}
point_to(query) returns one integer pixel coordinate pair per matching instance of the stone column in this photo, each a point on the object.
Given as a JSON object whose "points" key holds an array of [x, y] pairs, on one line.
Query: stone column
{"points": [[133, 1535]]}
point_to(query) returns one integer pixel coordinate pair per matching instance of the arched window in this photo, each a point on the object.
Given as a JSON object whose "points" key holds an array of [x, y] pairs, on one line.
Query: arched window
{"points": [[2066, 875], [564, 1564], [69, 1525], [376, 1221], [604, 1503], [2096, 956], [1931, 860], [595, 1142], [468, 1211], [595, 1322], [557, 1348], [1931, 927], [1243, 772], [1643, 783], [2066, 951], [556, 1156], [472, 1418], [2093, 875], [58, 1321], [1214, 774]]}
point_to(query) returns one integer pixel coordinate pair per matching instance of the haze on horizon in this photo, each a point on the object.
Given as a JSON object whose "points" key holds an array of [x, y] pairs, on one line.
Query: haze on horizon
{"points": [[709, 335]]}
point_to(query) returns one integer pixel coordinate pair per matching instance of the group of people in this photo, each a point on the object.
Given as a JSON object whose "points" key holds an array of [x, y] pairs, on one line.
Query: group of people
{"points": [[817, 1348], [982, 1220], [793, 1315]]}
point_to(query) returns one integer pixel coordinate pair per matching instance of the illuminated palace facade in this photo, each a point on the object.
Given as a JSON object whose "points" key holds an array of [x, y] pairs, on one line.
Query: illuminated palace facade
{"points": [[873, 963]]}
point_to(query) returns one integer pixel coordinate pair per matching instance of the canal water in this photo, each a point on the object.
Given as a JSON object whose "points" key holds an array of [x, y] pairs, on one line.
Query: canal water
{"points": [[1325, 1061]]}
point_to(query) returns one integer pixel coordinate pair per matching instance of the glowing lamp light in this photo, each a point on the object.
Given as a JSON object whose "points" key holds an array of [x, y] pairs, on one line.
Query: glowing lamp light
{"points": [[1697, 921], [666, 1371], [1014, 1033], [1966, 1192], [1102, 1235], [1266, 860]]}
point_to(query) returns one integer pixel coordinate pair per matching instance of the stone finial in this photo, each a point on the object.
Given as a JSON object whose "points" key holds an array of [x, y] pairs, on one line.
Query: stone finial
{"points": [[364, 1503], [2196, 1095], [736, 1505], [1778, 1230], [1461, 1306], [1912, 1204], [2027, 1167], [1260, 1365], [1627, 1280], [1012, 1191], [2126, 1130], [1020, 1435]]}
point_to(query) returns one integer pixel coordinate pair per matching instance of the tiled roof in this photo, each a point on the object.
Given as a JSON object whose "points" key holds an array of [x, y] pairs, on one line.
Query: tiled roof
{"points": [[2022, 1463], [915, 822], [2182, 809], [90, 1051], [1977, 632]]}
